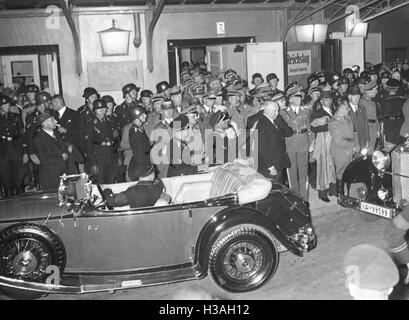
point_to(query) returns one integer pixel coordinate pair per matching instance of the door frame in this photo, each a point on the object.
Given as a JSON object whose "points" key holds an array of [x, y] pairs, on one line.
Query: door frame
{"points": [[174, 45], [40, 49]]}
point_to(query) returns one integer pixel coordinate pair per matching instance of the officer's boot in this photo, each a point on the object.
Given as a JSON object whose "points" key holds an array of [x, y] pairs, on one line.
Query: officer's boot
{"points": [[340, 188]]}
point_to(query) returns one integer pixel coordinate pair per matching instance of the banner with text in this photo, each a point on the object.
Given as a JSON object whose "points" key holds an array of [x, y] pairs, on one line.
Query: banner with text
{"points": [[299, 62]]}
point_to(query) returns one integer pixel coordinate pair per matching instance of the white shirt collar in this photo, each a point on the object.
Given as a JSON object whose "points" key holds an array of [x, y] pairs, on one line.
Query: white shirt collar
{"points": [[61, 111], [354, 107], [49, 132], [271, 120]]}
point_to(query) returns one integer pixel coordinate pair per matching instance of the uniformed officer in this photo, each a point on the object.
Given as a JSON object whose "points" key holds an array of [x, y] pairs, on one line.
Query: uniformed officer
{"points": [[130, 94], [110, 102], [176, 97], [90, 95], [194, 140], [390, 112], [238, 111], [349, 73], [383, 90], [342, 91], [145, 98], [298, 118], [359, 119], [179, 154], [162, 130], [12, 148], [314, 94], [155, 116], [139, 143], [29, 103], [273, 81], [367, 101], [147, 192], [257, 80], [101, 156], [370, 273], [43, 100], [215, 84]]}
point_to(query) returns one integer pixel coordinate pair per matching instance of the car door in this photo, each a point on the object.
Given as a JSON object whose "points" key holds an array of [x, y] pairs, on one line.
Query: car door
{"points": [[128, 240]]}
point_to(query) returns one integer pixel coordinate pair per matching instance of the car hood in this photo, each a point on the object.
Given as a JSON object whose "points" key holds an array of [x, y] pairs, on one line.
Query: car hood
{"points": [[29, 207]]}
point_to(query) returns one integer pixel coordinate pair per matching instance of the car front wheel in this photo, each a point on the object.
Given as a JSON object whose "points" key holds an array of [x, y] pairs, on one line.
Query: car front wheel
{"points": [[243, 259]]}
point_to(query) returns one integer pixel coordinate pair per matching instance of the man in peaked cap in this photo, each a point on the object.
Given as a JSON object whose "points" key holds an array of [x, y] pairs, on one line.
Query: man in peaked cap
{"points": [[176, 97], [197, 91], [370, 273], [367, 102], [145, 98], [298, 118], [230, 75]]}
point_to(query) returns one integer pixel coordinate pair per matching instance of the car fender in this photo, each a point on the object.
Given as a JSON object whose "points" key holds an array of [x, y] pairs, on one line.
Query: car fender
{"points": [[232, 217], [359, 170]]}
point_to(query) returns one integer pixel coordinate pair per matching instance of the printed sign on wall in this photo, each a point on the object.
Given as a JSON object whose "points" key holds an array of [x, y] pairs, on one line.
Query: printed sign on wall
{"points": [[299, 62]]}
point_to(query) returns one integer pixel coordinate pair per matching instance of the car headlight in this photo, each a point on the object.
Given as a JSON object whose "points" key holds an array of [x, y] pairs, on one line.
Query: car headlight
{"points": [[364, 152], [381, 160], [383, 194]]}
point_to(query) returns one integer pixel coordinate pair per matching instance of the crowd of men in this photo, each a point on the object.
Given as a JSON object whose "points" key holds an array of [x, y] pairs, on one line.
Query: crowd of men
{"points": [[207, 120]]}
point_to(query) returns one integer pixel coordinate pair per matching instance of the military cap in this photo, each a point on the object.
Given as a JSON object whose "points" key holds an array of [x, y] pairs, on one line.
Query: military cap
{"points": [[238, 84], [180, 123], [190, 109], [255, 76], [44, 116], [43, 97], [344, 80], [99, 104], [293, 90], [128, 88], [372, 72], [209, 95], [354, 90], [89, 91], [374, 267], [197, 89], [393, 84], [230, 73], [363, 80], [385, 75], [325, 94], [271, 76], [5, 99], [174, 91], [234, 93], [313, 77], [157, 97], [218, 116], [313, 89], [32, 88], [167, 104], [277, 96], [146, 94], [370, 85], [136, 111], [162, 86], [107, 99]]}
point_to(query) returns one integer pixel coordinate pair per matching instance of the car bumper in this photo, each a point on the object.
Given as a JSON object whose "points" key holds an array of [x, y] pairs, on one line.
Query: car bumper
{"points": [[350, 202]]}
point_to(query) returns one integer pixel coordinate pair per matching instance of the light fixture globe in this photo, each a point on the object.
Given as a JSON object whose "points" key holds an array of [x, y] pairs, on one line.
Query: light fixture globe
{"points": [[114, 41], [311, 33]]}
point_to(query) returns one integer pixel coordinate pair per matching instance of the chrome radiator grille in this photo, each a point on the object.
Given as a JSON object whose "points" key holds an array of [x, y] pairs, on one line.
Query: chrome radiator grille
{"points": [[400, 165]]}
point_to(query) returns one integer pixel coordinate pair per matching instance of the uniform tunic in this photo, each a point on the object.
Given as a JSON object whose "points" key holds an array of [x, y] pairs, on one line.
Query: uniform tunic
{"points": [[373, 125], [101, 150], [180, 156], [11, 149], [297, 148], [141, 147]]}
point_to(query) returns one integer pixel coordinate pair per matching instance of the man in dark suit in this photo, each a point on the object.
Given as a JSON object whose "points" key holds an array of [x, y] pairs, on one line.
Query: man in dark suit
{"points": [[272, 154], [53, 153], [359, 119], [69, 123]]}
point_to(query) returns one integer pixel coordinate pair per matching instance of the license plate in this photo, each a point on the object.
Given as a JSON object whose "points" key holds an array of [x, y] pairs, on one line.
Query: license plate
{"points": [[377, 210]]}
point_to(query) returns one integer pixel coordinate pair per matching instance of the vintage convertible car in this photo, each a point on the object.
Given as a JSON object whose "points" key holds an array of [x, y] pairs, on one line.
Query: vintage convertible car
{"points": [[377, 183], [229, 220]]}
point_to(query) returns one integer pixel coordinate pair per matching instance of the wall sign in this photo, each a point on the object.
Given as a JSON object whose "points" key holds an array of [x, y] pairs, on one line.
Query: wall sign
{"points": [[112, 76], [220, 28], [299, 62]]}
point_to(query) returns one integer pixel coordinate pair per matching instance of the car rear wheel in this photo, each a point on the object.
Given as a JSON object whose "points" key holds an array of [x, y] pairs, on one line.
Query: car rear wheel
{"points": [[26, 251], [243, 259]]}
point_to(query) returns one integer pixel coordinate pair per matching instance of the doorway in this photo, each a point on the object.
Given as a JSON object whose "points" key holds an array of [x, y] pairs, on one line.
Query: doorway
{"points": [[219, 54], [39, 65]]}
